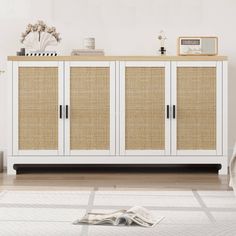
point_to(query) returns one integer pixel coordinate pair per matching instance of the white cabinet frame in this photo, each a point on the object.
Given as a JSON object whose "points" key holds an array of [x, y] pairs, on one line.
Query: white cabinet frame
{"points": [[15, 90], [124, 65], [111, 65], [117, 153], [219, 118]]}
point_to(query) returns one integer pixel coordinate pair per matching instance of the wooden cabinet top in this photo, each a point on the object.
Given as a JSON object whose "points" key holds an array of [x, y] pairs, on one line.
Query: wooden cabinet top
{"points": [[117, 58]]}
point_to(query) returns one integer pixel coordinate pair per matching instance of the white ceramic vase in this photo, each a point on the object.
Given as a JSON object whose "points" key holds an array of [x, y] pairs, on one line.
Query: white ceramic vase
{"points": [[39, 43]]}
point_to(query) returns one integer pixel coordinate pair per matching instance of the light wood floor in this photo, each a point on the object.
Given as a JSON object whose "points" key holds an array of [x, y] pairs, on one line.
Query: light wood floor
{"points": [[115, 180]]}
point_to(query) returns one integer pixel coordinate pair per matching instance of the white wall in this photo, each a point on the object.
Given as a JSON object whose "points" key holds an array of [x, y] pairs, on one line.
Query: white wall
{"points": [[121, 27]]}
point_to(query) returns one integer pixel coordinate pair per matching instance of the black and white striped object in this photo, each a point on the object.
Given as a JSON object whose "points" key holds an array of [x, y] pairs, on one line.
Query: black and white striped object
{"points": [[39, 54]]}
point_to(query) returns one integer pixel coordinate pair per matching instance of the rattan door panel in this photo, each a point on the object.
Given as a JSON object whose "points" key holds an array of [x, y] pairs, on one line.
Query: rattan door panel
{"points": [[89, 108], [144, 108], [196, 108], [37, 108]]}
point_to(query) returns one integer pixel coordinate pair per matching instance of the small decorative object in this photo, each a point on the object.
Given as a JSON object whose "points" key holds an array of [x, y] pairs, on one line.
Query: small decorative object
{"points": [[198, 46], [39, 36], [21, 52], [162, 38], [89, 43]]}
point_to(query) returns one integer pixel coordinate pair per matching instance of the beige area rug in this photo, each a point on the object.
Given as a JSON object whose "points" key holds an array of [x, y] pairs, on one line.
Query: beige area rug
{"points": [[33, 213]]}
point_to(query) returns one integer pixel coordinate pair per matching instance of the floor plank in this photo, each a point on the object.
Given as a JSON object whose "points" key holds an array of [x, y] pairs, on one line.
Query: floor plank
{"points": [[117, 179]]}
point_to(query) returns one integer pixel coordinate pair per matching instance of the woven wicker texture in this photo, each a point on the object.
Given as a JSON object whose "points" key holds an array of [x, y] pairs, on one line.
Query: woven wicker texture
{"points": [[90, 108], [196, 108], [145, 108], [38, 108]]}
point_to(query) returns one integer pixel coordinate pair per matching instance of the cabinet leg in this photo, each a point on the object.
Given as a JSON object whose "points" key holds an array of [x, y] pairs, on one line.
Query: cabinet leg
{"points": [[224, 168], [10, 169]]}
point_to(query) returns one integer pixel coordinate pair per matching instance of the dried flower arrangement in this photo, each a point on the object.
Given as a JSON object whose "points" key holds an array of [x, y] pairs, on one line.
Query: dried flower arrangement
{"points": [[39, 36], [162, 38]]}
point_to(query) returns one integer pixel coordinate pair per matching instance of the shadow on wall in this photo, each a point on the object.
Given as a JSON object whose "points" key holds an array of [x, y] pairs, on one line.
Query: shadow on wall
{"points": [[232, 105]]}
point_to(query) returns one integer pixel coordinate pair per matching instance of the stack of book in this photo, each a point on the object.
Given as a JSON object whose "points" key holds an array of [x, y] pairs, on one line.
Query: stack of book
{"points": [[87, 52]]}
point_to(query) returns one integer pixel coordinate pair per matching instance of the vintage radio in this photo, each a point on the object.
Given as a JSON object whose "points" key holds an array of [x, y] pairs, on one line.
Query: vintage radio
{"points": [[198, 46]]}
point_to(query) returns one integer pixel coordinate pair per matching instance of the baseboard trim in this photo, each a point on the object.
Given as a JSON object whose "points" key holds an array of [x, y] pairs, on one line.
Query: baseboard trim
{"points": [[230, 152]]}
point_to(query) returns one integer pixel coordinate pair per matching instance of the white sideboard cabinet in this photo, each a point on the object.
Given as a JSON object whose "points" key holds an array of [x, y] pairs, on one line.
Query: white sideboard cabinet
{"points": [[117, 110]]}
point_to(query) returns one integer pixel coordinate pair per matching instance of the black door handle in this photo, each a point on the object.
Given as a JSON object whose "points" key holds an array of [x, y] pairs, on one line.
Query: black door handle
{"points": [[173, 111], [60, 112], [67, 112], [168, 111]]}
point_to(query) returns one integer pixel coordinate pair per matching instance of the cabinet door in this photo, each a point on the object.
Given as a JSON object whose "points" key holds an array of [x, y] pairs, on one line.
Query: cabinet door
{"points": [[197, 100], [37, 96], [90, 97], [144, 102]]}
